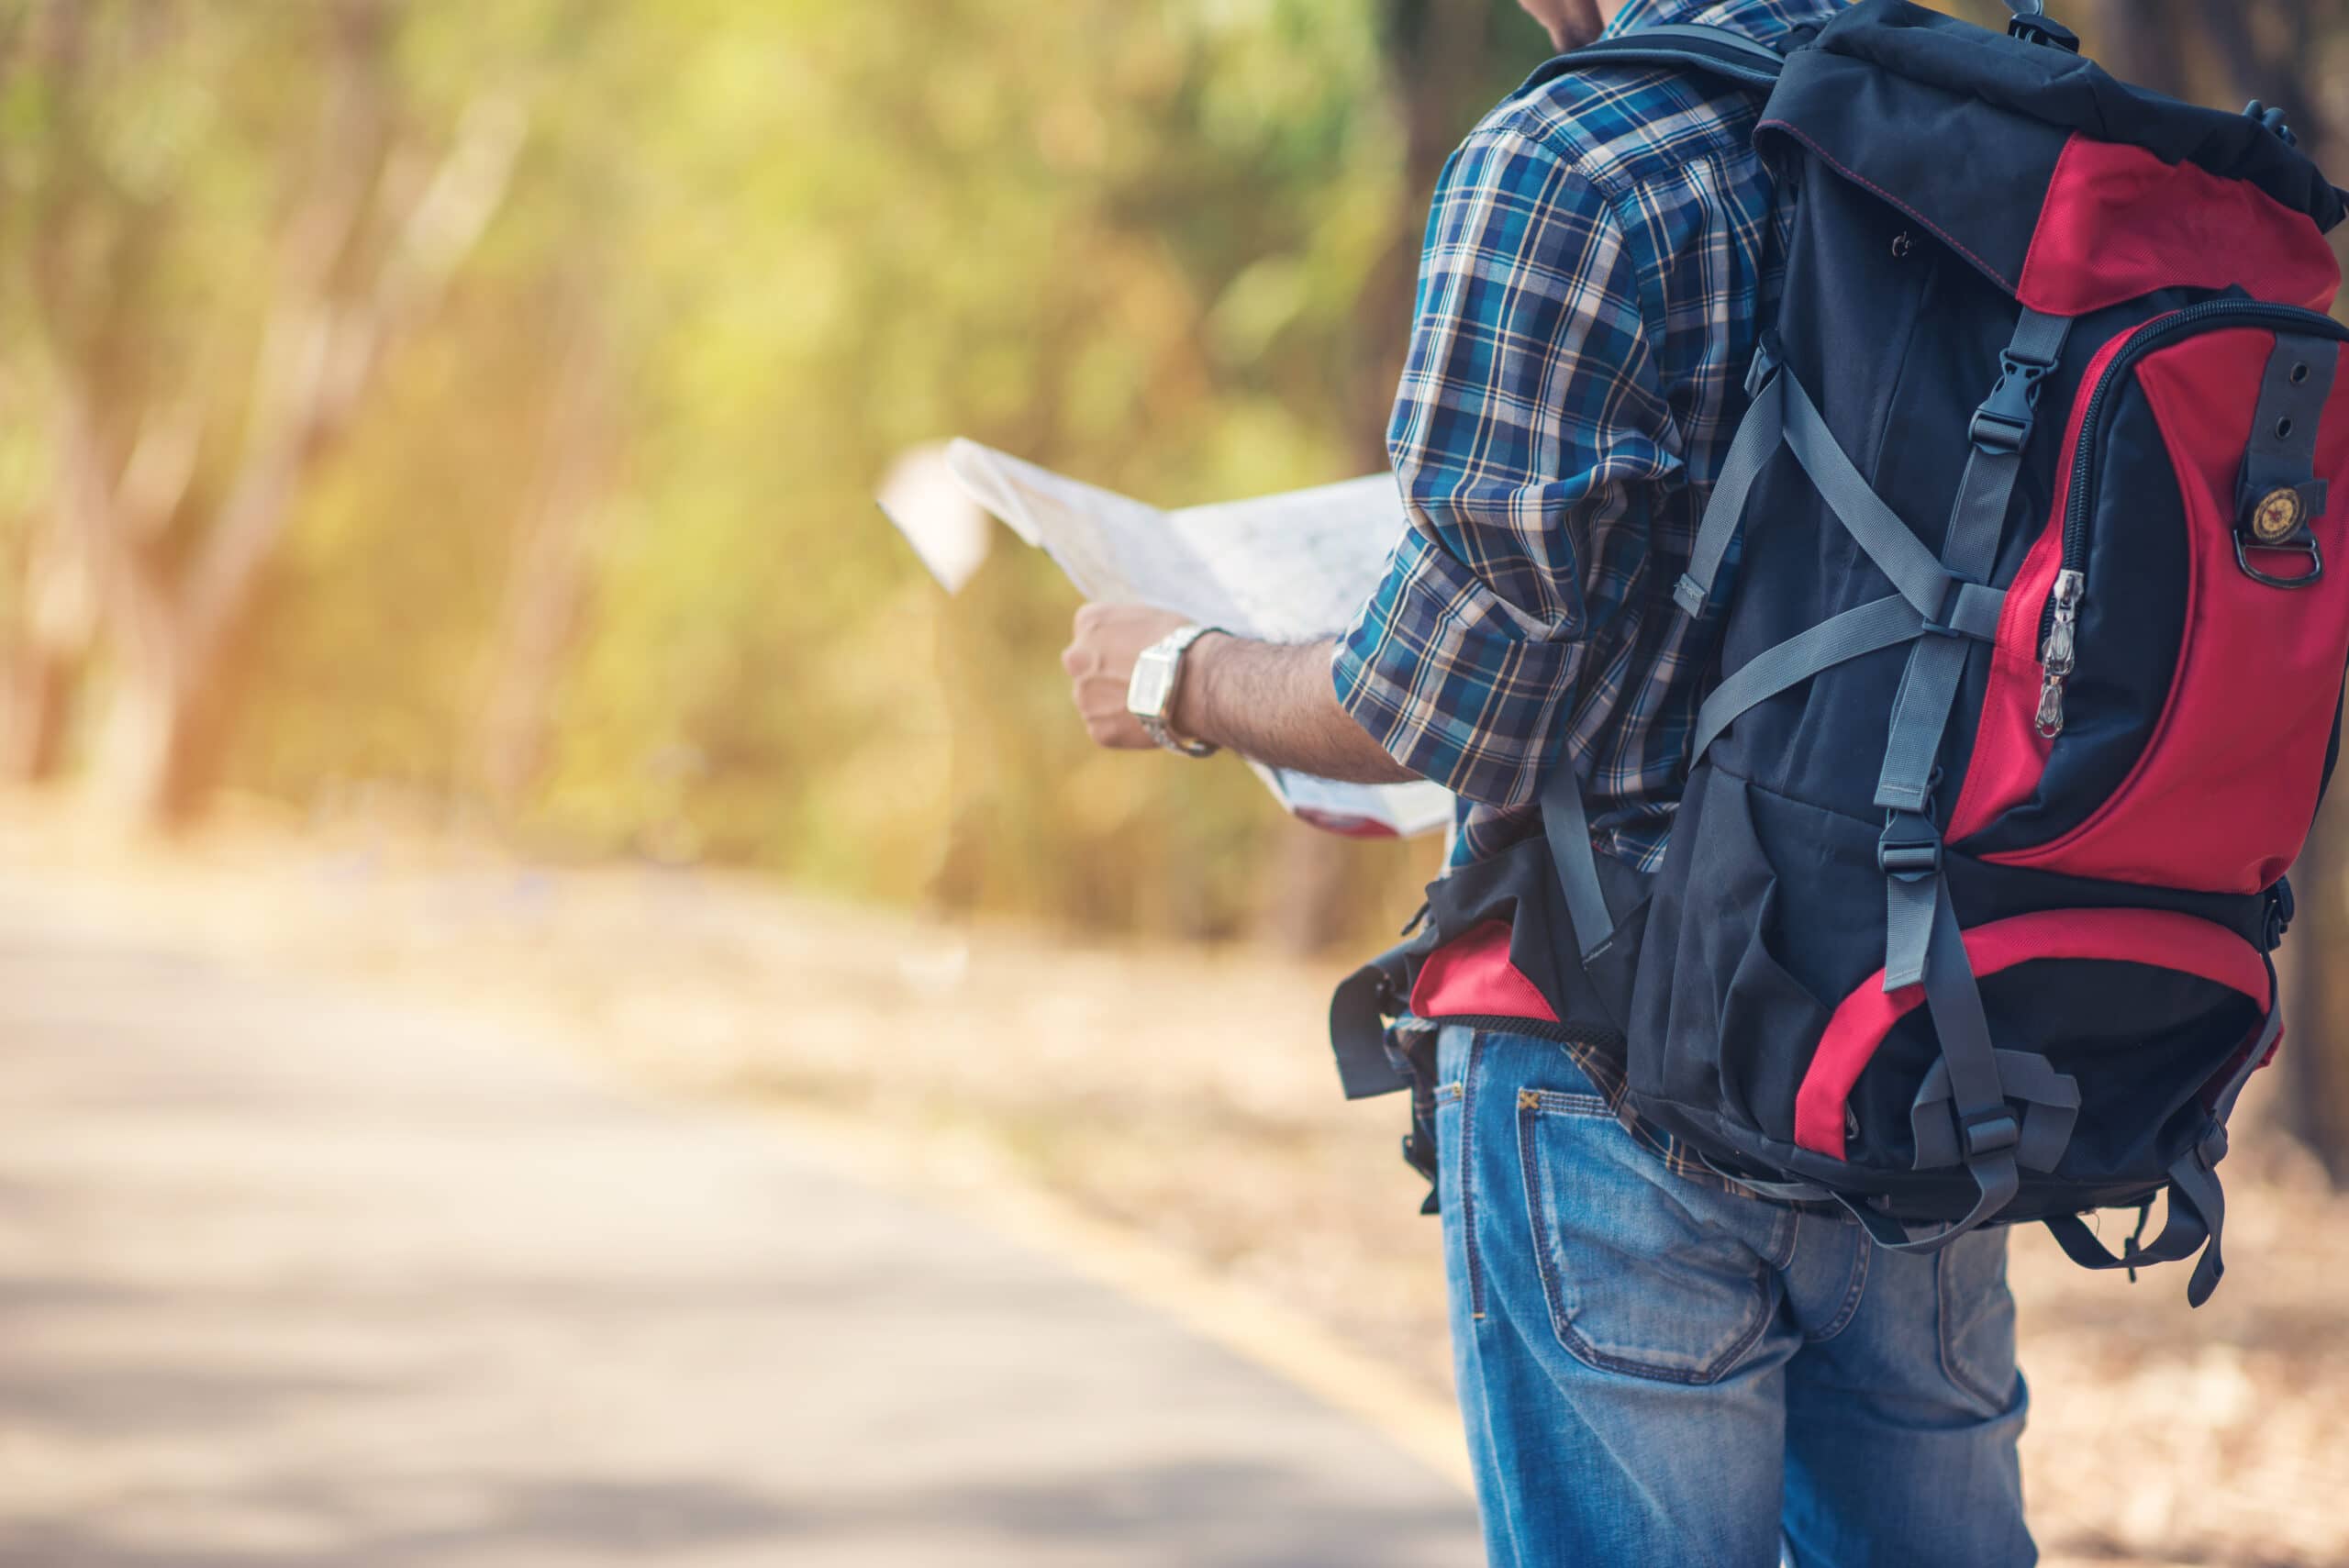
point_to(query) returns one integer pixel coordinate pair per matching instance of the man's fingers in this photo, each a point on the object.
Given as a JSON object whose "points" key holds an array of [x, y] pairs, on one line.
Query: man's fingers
{"points": [[1126, 737], [1104, 643], [1101, 704]]}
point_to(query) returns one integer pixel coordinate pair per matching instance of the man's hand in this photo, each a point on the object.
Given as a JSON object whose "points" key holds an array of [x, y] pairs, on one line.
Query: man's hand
{"points": [[1100, 664], [1266, 701]]}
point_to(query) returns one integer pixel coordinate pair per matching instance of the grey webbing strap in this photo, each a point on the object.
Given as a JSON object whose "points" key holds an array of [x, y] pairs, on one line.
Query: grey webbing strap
{"points": [[1928, 695], [2002, 428], [2199, 1182], [1887, 623], [1998, 1189], [1783, 413], [1897, 553], [1908, 906], [1978, 612], [2050, 1110], [1782, 1192], [1955, 1002], [2198, 1218], [1757, 441], [1566, 826], [2263, 1041], [1989, 1133], [1920, 713], [2181, 1233]]}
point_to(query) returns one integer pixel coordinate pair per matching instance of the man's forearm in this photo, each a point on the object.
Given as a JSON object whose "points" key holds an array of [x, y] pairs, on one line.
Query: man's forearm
{"points": [[1274, 702]]}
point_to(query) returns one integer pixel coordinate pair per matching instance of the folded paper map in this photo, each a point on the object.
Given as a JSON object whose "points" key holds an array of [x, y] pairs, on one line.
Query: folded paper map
{"points": [[1289, 568]]}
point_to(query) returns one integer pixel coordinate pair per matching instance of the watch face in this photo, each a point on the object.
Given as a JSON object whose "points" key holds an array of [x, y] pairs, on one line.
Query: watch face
{"points": [[1146, 694]]}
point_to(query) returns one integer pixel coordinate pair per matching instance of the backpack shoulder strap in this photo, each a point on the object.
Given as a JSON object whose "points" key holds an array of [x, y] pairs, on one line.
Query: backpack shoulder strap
{"points": [[1748, 62], [1715, 52]]}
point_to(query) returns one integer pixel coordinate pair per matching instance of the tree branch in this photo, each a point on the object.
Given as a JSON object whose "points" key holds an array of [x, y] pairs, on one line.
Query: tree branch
{"points": [[325, 353]]}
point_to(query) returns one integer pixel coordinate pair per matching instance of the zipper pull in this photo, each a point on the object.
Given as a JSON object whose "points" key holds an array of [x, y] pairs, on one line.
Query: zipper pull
{"points": [[2057, 657]]}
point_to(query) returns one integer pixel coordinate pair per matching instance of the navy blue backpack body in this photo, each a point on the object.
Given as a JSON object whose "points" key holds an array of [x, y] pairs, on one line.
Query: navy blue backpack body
{"points": [[2032, 646]]}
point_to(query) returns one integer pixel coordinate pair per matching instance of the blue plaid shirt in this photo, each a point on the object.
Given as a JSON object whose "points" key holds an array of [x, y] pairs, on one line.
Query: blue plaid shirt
{"points": [[1597, 264]]}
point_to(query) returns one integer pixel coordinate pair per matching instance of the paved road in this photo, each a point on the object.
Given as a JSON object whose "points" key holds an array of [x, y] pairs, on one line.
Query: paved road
{"points": [[291, 1276]]}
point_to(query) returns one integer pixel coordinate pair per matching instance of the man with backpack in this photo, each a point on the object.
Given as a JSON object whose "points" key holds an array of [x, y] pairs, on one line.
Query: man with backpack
{"points": [[1867, 566]]}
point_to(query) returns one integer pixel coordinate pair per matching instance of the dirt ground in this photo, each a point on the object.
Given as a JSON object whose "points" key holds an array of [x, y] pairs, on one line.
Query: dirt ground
{"points": [[1188, 1096]]}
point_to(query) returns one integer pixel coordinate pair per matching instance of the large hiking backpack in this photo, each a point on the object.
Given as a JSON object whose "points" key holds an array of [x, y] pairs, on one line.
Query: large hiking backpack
{"points": [[2030, 674]]}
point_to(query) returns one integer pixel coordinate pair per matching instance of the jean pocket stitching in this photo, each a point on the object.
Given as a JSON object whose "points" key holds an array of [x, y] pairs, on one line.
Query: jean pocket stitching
{"points": [[1472, 1258], [1530, 1111], [1862, 1256], [1556, 1102]]}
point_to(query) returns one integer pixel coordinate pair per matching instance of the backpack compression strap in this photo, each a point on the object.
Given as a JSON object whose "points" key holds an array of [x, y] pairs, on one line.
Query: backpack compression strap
{"points": [[1940, 606]]}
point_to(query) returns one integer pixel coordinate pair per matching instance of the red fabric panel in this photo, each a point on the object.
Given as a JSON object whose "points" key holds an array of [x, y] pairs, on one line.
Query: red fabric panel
{"points": [[2008, 753], [2120, 223], [1471, 977], [2159, 938], [2222, 800]]}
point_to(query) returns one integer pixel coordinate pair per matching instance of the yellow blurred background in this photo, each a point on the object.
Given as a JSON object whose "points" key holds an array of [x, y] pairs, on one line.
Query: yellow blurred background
{"points": [[437, 450]]}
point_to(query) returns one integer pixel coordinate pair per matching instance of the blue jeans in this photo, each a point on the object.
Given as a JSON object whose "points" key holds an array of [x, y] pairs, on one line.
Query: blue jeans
{"points": [[1655, 1372]]}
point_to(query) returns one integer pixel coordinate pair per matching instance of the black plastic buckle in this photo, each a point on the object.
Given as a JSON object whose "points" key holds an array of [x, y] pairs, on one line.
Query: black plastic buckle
{"points": [[2037, 27], [1419, 1154], [1911, 847], [2272, 120], [1991, 1132], [2002, 425], [2281, 908]]}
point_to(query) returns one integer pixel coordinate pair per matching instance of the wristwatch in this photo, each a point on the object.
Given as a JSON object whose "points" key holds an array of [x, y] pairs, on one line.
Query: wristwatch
{"points": [[1157, 677]]}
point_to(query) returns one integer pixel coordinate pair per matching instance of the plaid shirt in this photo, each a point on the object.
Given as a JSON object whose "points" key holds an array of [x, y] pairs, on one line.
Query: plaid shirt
{"points": [[1595, 267], [1598, 264]]}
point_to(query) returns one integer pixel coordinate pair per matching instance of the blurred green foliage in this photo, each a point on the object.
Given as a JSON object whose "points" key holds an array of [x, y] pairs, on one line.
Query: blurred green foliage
{"points": [[596, 555], [1130, 241]]}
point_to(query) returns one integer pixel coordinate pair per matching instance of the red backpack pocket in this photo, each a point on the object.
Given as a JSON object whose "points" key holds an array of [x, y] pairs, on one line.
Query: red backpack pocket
{"points": [[2163, 728], [2113, 961]]}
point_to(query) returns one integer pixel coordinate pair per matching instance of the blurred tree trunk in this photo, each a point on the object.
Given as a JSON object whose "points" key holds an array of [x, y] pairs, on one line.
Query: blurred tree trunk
{"points": [[539, 616], [1437, 52], [2142, 41], [44, 658], [33, 708], [2313, 1102], [364, 258]]}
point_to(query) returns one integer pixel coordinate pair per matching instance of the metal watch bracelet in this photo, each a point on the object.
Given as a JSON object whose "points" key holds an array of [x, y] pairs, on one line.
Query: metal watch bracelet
{"points": [[1157, 682]]}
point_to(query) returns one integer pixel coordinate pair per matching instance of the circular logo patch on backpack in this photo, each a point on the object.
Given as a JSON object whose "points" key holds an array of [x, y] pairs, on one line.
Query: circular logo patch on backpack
{"points": [[2278, 516]]}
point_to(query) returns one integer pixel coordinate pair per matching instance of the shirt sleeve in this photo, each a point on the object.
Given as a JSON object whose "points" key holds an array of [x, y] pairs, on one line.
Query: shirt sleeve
{"points": [[1528, 429]]}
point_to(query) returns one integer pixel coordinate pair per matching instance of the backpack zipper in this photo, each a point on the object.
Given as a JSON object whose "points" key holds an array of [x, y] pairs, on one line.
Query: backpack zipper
{"points": [[2059, 622]]}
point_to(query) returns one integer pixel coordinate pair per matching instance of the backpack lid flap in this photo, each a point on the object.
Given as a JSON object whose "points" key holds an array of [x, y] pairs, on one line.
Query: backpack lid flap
{"points": [[2037, 165]]}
